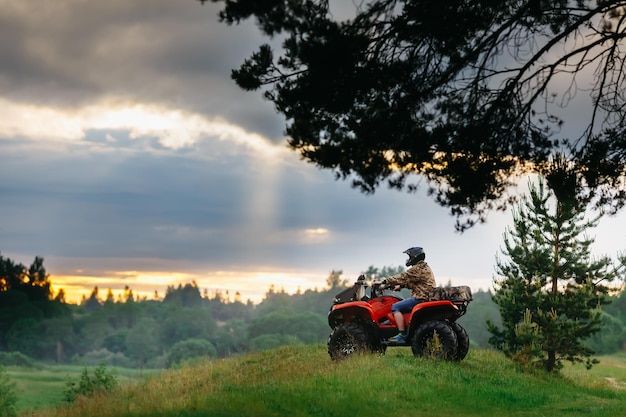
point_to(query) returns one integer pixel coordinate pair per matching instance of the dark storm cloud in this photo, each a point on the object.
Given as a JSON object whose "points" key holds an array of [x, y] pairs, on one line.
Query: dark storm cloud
{"points": [[206, 212], [74, 52], [114, 204]]}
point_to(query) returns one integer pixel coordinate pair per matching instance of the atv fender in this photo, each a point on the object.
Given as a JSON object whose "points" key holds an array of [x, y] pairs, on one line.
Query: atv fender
{"points": [[351, 311], [433, 310]]}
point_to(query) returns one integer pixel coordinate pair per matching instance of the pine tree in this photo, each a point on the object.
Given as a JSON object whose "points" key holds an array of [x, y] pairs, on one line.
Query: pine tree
{"points": [[551, 289]]}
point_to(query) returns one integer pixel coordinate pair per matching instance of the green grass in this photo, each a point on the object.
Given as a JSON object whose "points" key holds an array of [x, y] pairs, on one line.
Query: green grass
{"points": [[303, 381], [43, 386], [611, 370]]}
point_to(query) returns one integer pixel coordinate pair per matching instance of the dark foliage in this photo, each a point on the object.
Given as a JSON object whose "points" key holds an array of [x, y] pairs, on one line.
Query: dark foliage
{"points": [[466, 94], [25, 299]]}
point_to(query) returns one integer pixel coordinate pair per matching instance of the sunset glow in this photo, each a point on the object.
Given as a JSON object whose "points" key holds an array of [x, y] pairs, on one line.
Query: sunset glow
{"points": [[250, 285]]}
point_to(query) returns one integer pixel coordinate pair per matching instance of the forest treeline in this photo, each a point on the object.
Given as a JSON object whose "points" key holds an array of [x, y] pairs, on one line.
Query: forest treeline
{"points": [[187, 323]]}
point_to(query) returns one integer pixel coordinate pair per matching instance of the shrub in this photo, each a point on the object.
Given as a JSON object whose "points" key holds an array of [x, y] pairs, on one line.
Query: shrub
{"points": [[8, 398], [102, 356], [16, 359], [271, 341], [102, 380], [190, 349]]}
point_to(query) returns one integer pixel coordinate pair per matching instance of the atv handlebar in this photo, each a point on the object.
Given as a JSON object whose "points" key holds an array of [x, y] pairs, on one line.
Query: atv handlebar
{"points": [[378, 286], [382, 284]]}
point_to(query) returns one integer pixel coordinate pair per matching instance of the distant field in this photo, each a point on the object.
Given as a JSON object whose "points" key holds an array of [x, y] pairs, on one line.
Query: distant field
{"points": [[303, 381], [43, 387], [611, 369]]}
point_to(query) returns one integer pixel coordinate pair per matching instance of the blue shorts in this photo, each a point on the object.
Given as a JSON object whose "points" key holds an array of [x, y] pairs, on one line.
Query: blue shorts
{"points": [[405, 306]]}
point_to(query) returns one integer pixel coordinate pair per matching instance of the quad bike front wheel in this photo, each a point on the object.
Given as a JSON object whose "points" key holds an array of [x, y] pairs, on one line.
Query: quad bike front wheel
{"points": [[435, 339], [348, 339]]}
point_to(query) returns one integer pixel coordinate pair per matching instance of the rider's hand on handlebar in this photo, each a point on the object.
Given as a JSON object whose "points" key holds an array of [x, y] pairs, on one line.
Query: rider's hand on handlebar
{"points": [[381, 284]]}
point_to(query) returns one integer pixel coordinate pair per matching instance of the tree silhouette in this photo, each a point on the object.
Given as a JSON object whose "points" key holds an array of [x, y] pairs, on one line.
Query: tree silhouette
{"points": [[466, 95], [334, 279], [93, 302]]}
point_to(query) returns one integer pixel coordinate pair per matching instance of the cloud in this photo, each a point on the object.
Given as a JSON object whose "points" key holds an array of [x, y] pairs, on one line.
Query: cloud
{"points": [[69, 54], [129, 157], [174, 129]]}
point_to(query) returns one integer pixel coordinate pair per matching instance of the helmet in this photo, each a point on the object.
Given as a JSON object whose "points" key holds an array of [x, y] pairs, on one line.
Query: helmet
{"points": [[416, 254]]}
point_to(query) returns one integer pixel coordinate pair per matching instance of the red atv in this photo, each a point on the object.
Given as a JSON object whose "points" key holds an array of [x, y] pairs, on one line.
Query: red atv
{"points": [[363, 323]]}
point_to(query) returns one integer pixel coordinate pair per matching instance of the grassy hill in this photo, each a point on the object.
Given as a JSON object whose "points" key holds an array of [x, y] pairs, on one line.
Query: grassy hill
{"points": [[302, 381]]}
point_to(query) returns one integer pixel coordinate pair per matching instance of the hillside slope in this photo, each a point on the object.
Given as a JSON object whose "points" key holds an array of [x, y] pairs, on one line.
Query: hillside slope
{"points": [[302, 381]]}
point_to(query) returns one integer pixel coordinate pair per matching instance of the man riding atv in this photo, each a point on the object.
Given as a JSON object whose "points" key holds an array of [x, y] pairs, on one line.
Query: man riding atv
{"points": [[419, 279], [370, 321]]}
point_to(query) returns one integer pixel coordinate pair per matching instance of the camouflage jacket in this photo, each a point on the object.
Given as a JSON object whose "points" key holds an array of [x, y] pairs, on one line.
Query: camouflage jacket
{"points": [[419, 279]]}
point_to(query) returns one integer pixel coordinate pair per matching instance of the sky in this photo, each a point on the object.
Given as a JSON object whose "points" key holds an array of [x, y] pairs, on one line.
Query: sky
{"points": [[128, 157]]}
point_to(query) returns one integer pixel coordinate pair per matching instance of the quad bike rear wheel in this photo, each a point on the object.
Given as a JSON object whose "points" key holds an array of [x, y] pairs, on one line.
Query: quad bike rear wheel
{"points": [[348, 339], [463, 341], [436, 339]]}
